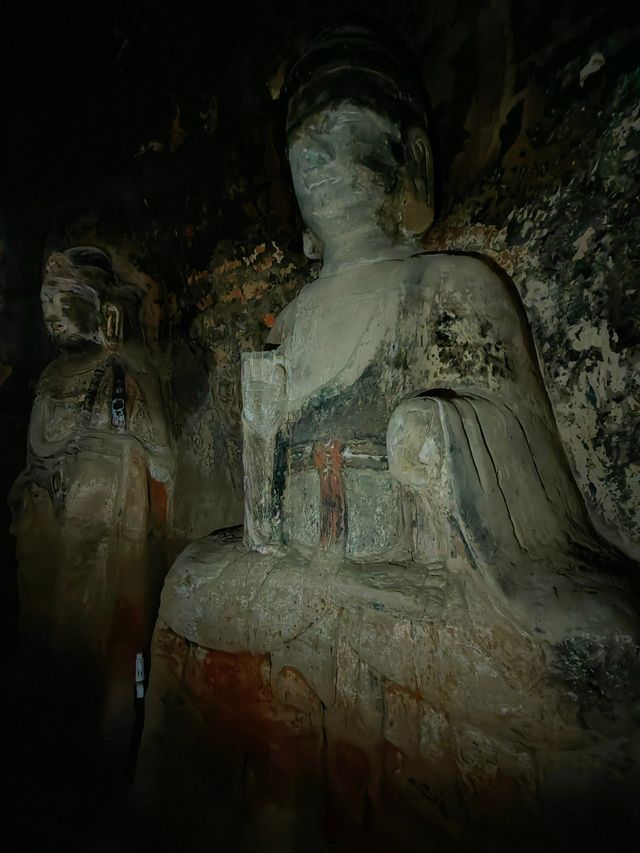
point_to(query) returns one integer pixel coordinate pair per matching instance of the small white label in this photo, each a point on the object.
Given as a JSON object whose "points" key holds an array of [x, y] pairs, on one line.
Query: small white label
{"points": [[139, 668]]}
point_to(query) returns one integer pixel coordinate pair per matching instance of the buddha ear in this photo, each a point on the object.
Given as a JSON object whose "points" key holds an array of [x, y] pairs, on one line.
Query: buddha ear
{"points": [[312, 246], [418, 204]]}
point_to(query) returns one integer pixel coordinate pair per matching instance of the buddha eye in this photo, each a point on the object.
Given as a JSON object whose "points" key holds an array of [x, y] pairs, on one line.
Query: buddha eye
{"points": [[315, 157]]}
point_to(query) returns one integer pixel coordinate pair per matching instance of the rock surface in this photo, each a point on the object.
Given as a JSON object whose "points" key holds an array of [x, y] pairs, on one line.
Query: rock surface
{"points": [[375, 707], [422, 628]]}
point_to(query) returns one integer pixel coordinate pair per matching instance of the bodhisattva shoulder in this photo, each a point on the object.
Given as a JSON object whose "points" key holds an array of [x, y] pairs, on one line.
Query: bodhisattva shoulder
{"points": [[55, 374]]}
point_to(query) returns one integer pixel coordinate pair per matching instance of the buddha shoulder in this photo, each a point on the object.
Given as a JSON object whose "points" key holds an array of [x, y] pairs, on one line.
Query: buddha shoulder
{"points": [[468, 274], [464, 285], [283, 325]]}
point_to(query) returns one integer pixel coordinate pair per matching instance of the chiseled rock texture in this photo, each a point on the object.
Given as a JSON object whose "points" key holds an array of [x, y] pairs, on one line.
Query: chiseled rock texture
{"points": [[92, 510], [535, 107], [535, 110], [237, 298], [375, 707], [559, 212], [422, 642]]}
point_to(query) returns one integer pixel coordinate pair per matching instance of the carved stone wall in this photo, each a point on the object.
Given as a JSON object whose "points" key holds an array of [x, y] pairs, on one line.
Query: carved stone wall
{"points": [[557, 208], [535, 113], [166, 122]]}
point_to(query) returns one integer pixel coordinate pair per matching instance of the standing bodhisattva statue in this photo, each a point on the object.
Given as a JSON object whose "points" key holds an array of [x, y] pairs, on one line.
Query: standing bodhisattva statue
{"points": [[421, 630], [91, 509]]}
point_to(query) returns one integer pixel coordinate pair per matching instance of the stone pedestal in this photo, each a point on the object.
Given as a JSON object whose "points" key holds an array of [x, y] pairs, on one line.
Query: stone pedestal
{"points": [[296, 705]]}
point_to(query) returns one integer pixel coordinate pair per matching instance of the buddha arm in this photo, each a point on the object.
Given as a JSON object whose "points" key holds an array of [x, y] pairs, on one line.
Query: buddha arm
{"points": [[477, 447], [263, 408], [147, 422]]}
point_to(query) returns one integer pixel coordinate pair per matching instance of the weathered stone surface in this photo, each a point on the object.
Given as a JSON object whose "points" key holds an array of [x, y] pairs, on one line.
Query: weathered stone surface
{"points": [[92, 508], [237, 299], [559, 212], [419, 577], [524, 109], [381, 705]]}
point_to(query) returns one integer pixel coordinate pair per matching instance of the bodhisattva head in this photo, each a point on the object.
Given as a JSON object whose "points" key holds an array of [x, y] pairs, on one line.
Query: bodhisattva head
{"points": [[75, 284], [358, 146]]}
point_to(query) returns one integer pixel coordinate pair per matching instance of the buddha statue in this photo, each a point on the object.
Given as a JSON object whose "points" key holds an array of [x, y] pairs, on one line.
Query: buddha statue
{"points": [[421, 630], [92, 508]]}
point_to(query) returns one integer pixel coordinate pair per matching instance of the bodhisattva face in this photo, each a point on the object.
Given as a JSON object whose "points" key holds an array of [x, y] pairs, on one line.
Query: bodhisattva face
{"points": [[347, 163], [71, 320]]}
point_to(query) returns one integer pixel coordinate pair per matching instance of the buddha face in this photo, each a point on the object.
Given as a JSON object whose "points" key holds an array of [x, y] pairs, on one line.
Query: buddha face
{"points": [[71, 318], [352, 169], [346, 162]]}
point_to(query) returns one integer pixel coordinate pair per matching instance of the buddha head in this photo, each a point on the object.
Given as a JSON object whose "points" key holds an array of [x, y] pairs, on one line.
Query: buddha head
{"points": [[74, 289], [357, 140]]}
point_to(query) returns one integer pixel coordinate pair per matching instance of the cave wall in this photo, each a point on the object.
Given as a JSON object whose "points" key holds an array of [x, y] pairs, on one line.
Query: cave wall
{"points": [[158, 130], [555, 204]]}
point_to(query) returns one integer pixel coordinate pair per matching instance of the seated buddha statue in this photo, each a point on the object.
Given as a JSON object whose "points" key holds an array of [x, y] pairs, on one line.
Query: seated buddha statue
{"points": [[92, 508], [420, 624]]}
